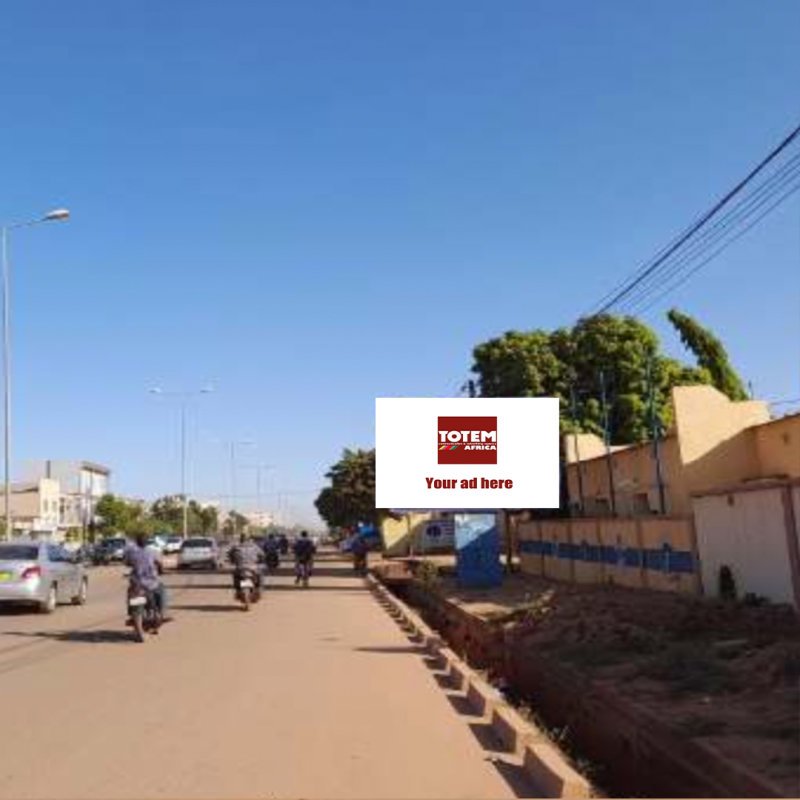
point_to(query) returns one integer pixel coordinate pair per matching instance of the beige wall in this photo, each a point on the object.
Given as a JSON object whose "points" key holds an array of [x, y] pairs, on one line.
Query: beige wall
{"points": [[35, 504], [634, 477], [712, 445], [626, 552], [748, 531], [778, 447], [716, 449]]}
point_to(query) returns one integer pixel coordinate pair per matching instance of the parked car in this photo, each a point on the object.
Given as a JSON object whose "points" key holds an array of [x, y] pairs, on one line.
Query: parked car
{"points": [[109, 551], [40, 574], [172, 544], [199, 551]]}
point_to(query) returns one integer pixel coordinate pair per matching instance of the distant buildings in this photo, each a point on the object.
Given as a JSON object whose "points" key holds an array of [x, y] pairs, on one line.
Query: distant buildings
{"points": [[57, 496]]}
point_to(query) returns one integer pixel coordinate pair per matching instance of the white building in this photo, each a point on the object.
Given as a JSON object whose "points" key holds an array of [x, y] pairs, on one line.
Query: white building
{"points": [[82, 484], [35, 507]]}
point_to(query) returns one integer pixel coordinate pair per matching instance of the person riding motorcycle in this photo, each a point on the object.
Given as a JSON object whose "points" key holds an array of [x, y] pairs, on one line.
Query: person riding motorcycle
{"points": [[272, 552], [246, 557], [360, 550], [304, 551], [144, 574]]}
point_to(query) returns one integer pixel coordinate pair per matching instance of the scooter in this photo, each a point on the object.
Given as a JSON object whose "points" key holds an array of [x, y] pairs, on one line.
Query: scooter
{"points": [[273, 560], [144, 616], [248, 590], [303, 572]]}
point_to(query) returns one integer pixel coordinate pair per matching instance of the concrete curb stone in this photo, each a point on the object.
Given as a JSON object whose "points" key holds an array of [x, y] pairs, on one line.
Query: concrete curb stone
{"points": [[543, 762]]}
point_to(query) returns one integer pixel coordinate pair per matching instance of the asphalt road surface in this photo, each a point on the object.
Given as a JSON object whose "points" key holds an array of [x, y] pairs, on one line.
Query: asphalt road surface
{"points": [[314, 693]]}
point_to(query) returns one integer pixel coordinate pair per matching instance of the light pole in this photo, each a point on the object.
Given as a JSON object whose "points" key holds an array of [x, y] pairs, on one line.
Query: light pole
{"points": [[259, 469], [233, 444], [184, 398], [58, 214]]}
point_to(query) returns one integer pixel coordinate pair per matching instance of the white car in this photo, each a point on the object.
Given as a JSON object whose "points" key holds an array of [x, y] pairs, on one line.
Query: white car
{"points": [[172, 545], [199, 551]]}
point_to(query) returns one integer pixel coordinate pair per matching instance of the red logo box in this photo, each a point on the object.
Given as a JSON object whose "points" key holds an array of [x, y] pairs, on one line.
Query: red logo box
{"points": [[467, 440]]}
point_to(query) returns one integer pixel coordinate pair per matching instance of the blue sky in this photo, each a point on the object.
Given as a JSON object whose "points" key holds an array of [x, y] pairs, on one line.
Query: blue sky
{"points": [[312, 204]]}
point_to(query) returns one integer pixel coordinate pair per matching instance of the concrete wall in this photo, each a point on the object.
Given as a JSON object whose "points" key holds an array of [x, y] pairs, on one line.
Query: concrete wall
{"points": [[655, 553], [778, 447], [754, 532], [716, 448], [714, 443]]}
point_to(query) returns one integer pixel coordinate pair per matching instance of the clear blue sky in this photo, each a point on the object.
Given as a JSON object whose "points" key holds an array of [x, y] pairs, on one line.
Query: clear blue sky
{"points": [[312, 204]]}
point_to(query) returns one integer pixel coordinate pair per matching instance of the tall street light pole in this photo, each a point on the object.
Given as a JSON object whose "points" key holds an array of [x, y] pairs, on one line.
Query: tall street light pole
{"points": [[233, 444], [260, 469], [58, 214], [184, 398]]}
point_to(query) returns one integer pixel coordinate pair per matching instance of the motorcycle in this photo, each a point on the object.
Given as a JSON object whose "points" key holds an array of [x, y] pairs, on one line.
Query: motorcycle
{"points": [[360, 563], [303, 572], [144, 615], [248, 589], [273, 560]]}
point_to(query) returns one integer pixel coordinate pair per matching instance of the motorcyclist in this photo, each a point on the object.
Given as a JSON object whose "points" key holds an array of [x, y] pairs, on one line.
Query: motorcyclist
{"points": [[283, 544], [360, 550], [304, 551], [272, 551], [144, 574], [246, 557]]}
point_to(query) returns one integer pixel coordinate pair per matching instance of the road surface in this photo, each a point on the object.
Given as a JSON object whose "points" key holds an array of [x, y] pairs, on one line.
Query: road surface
{"points": [[314, 693]]}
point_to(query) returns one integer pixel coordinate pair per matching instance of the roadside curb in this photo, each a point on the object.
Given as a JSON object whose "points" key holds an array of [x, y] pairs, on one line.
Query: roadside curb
{"points": [[543, 762]]}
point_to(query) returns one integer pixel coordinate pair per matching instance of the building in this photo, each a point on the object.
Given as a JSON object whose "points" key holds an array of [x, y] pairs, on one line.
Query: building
{"points": [[730, 477], [713, 442], [82, 483], [35, 507]]}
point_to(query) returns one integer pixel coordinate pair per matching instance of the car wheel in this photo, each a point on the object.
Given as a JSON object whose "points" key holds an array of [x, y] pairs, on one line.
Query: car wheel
{"points": [[50, 603], [83, 595]]}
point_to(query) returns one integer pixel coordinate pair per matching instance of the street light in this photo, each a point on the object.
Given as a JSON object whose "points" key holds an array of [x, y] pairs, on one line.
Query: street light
{"points": [[233, 444], [56, 215], [259, 469], [184, 399]]}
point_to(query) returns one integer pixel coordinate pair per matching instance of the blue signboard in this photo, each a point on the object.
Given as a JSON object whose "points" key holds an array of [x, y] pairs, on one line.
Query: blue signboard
{"points": [[478, 551]]}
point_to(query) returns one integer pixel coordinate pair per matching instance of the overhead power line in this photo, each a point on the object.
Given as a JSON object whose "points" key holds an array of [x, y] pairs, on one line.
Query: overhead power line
{"points": [[651, 269], [728, 229]]}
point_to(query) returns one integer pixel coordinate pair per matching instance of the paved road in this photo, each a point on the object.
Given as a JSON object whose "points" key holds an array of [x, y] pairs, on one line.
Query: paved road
{"points": [[314, 693]]}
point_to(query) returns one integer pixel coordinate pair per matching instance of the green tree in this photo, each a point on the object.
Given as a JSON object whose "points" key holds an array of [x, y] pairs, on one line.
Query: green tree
{"points": [[167, 513], [710, 353], [349, 500], [620, 349], [117, 515]]}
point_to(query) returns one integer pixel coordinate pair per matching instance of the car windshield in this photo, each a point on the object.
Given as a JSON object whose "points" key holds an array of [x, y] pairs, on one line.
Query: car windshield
{"points": [[197, 543], [19, 552]]}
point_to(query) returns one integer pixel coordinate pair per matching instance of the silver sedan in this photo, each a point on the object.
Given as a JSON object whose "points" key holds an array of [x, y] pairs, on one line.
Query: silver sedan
{"points": [[41, 574]]}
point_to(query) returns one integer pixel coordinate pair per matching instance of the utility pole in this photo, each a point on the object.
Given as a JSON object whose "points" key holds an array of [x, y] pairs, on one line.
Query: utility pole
{"points": [[573, 405], [184, 398], [655, 434], [607, 440]]}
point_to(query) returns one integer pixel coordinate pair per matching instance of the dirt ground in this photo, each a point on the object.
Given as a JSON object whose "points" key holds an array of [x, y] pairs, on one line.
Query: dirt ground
{"points": [[727, 674]]}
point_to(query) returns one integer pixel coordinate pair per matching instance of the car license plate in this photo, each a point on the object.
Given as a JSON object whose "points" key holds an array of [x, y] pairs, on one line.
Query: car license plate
{"points": [[136, 602], [247, 584], [6, 576]]}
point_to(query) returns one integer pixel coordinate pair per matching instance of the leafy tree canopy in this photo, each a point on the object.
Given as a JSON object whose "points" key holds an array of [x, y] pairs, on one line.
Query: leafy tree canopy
{"points": [[710, 353], [619, 350]]}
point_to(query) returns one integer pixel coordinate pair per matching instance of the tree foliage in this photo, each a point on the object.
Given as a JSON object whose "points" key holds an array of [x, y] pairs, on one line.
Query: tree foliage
{"points": [[120, 516], [710, 353], [620, 351], [349, 500]]}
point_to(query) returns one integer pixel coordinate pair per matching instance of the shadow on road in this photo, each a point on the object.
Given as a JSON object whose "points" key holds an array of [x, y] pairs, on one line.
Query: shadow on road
{"points": [[212, 608], [391, 651], [83, 637]]}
